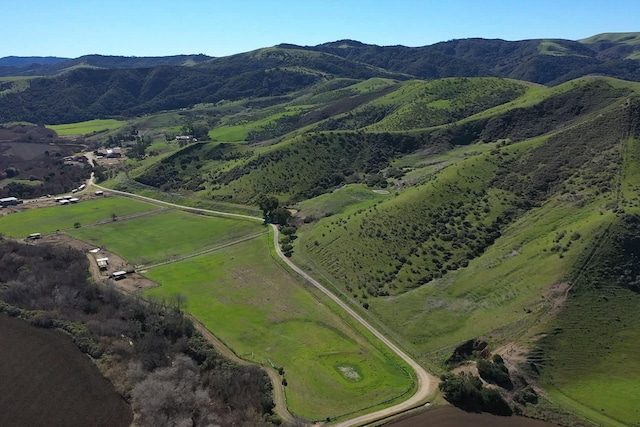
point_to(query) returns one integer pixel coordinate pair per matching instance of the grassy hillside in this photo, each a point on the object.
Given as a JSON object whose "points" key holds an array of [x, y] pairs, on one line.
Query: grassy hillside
{"points": [[589, 361], [625, 38], [445, 101], [87, 127], [489, 246], [302, 162]]}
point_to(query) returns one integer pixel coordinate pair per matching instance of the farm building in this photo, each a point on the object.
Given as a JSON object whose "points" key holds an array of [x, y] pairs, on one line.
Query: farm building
{"points": [[10, 201], [94, 251], [64, 202], [99, 193], [34, 236], [103, 263], [74, 200], [117, 275], [82, 187]]}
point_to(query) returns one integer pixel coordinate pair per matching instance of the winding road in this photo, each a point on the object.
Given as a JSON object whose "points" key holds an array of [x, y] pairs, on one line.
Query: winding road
{"points": [[427, 383]]}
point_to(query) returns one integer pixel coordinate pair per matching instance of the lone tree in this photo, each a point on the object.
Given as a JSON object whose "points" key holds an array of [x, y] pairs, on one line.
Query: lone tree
{"points": [[272, 212], [268, 204]]}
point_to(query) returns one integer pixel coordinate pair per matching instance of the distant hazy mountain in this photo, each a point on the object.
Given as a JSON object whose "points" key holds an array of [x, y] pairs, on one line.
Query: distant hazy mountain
{"points": [[34, 66], [21, 61]]}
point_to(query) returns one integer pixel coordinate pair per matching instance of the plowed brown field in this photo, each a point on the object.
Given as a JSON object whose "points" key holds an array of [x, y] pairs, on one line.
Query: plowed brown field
{"points": [[454, 417], [46, 381]]}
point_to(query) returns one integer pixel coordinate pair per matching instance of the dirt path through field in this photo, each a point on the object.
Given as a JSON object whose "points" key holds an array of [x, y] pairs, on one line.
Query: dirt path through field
{"points": [[427, 383], [144, 268]]}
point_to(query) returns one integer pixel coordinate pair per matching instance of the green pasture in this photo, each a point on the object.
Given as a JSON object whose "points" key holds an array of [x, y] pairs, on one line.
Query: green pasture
{"points": [[265, 315], [90, 126], [162, 147], [226, 133], [339, 201], [50, 219], [166, 236], [121, 182]]}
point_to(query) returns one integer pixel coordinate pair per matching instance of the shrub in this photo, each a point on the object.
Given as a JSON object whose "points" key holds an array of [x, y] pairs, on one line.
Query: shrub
{"points": [[466, 391], [495, 373]]}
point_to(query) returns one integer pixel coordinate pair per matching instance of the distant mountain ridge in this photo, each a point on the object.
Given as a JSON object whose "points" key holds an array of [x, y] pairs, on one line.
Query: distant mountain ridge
{"points": [[106, 86], [46, 66], [21, 61]]}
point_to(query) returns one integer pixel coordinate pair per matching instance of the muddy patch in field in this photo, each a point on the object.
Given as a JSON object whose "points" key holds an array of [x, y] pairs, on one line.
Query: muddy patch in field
{"points": [[349, 373]]}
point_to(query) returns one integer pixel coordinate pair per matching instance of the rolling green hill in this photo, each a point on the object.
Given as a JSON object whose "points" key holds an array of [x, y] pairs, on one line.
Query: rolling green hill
{"points": [[96, 86]]}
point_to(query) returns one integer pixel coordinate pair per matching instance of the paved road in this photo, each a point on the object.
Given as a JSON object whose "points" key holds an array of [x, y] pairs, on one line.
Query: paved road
{"points": [[427, 383]]}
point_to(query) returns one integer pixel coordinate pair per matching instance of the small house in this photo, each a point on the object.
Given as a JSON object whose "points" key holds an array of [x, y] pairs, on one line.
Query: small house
{"points": [[103, 263]]}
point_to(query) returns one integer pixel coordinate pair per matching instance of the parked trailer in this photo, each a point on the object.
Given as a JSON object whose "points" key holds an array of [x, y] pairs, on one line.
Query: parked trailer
{"points": [[117, 275]]}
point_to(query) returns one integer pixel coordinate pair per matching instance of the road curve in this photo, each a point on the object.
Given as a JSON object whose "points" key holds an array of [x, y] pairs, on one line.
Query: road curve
{"points": [[427, 383]]}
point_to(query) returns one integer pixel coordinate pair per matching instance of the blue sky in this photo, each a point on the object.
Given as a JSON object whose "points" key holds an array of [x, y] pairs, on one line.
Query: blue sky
{"points": [[72, 28]]}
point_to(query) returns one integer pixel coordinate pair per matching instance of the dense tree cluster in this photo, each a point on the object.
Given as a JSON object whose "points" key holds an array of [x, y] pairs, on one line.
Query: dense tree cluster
{"points": [[182, 170], [48, 175], [467, 392], [494, 371], [318, 162]]}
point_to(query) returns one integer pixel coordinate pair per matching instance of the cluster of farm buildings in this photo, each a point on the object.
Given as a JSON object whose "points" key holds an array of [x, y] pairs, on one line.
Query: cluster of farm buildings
{"points": [[101, 261], [103, 265]]}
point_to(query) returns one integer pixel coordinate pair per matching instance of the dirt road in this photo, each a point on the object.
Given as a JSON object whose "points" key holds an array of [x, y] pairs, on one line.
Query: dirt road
{"points": [[427, 383]]}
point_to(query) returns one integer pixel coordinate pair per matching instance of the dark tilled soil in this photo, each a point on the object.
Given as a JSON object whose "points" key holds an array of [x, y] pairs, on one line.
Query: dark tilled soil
{"points": [[46, 381], [454, 417]]}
